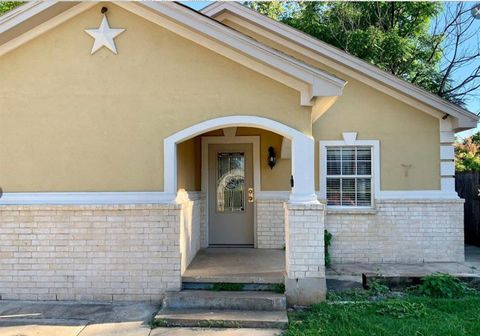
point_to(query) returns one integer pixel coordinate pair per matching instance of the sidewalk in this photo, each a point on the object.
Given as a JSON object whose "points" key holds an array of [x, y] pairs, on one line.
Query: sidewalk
{"points": [[29, 318]]}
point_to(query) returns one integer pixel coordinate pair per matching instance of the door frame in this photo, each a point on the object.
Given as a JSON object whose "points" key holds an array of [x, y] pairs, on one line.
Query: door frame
{"points": [[229, 137]]}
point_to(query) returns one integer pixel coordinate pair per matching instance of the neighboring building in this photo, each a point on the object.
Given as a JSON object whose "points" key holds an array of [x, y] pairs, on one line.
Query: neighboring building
{"points": [[118, 163]]}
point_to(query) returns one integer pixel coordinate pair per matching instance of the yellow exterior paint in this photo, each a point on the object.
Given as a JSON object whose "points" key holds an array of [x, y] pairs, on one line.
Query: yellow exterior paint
{"points": [[189, 165], [276, 179], [71, 121], [407, 136]]}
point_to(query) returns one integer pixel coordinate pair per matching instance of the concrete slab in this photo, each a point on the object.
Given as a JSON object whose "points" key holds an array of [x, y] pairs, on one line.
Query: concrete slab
{"points": [[40, 330], [214, 332], [243, 300], [237, 265], [117, 329], [222, 318], [75, 319]]}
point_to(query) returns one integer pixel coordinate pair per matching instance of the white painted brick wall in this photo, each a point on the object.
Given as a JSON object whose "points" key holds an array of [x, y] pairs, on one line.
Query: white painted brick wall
{"points": [[89, 252], [402, 231], [192, 216], [270, 224], [304, 228]]}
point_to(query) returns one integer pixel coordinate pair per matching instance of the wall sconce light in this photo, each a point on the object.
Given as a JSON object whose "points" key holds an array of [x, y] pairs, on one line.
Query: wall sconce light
{"points": [[272, 158]]}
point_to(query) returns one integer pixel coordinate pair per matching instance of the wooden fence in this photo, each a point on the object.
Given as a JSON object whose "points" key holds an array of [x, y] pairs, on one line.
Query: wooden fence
{"points": [[467, 186]]}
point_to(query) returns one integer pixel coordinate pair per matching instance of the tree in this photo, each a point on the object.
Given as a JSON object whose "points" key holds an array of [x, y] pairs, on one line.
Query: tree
{"points": [[419, 42], [272, 9], [460, 49], [6, 6], [467, 154]]}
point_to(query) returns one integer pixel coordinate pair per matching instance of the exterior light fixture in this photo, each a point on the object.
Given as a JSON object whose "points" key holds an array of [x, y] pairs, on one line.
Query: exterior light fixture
{"points": [[272, 158]]}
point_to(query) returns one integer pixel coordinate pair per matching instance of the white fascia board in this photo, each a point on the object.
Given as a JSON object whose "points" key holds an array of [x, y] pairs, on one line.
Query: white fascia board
{"points": [[43, 27], [23, 13], [466, 119]]}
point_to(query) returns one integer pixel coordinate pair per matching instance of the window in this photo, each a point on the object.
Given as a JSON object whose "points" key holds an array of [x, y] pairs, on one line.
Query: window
{"points": [[349, 176]]}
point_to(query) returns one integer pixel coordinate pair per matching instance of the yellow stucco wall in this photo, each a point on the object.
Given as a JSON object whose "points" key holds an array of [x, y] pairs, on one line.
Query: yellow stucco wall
{"points": [[189, 165], [71, 121], [407, 136], [276, 179]]}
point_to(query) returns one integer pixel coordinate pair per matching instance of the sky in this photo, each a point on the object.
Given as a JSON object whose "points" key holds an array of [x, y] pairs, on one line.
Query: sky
{"points": [[473, 104], [196, 4]]}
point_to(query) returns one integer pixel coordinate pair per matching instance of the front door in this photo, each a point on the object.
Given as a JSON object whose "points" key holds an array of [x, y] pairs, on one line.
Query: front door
{"points": [[230, 194]]}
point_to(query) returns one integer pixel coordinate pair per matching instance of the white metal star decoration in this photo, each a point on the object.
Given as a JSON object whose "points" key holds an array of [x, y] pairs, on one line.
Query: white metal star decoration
{"points": [[104, 36]]}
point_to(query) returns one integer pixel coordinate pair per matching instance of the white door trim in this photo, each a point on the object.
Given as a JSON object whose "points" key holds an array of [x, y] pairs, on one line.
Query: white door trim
{"points": [[255, 141]]}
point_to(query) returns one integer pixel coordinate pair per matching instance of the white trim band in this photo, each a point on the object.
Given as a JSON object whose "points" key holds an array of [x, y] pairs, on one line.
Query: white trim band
{"points": [[148, 197]]}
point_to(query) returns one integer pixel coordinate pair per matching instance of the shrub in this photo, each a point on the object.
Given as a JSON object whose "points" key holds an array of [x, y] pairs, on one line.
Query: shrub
{"points": [[376, 288], [442, 285], [328, 240]]}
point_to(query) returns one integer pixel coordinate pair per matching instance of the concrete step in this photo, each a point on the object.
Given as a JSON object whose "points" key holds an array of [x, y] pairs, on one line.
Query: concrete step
{"points": [[221, 318], [267, 287], [244, 300]]}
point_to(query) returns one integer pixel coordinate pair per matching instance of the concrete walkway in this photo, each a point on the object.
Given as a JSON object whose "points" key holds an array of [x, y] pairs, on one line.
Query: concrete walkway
{"points": [[353, 271], [96, 319]]}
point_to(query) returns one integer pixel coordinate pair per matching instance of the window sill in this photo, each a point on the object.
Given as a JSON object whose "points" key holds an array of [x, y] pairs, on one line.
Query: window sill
{"points": [[351, 211]]}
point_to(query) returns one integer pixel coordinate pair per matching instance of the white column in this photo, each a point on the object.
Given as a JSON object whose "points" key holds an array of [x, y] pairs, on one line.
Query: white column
{"points": [[303, 170], [304, 253], [170, 168], [447, 157]]}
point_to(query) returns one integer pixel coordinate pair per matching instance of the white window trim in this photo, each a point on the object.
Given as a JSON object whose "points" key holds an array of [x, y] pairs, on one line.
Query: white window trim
{"points": [[349, 140]]}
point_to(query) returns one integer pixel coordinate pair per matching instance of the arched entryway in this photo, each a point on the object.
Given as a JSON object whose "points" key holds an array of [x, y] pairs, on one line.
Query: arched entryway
{"points": [[303, 190], [300, 253]]}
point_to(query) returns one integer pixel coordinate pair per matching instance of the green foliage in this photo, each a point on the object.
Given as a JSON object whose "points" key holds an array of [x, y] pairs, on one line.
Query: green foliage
{"points": [[376, 291], [6, 6], [394, 36], [401, 309], [224, 286], [376, 288], [419, 316], [442, 285], [353, 295], [274, 9], [279, 288], [467, 154], [327, 236]]}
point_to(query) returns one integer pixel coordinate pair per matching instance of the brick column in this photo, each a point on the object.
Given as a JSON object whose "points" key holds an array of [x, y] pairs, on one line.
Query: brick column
{"points": [[305, 261]]}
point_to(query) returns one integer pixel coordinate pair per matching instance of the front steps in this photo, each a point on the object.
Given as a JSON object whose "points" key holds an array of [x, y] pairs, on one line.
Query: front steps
{"points": [[203, 308]]}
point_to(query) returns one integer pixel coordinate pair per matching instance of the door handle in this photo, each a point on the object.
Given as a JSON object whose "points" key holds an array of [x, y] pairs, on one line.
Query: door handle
{"points": [[250, 196]]}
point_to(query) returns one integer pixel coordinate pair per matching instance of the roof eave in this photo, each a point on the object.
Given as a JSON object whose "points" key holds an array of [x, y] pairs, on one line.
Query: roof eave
{"points": [[466, 119]]}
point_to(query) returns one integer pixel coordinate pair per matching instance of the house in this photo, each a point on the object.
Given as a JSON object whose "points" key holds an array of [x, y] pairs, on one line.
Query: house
{"points": [[134, 134]]}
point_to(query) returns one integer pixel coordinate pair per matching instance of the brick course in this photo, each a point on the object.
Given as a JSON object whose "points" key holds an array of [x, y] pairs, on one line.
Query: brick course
{"points": [[89, 252], [270, 224], [399, 231]]}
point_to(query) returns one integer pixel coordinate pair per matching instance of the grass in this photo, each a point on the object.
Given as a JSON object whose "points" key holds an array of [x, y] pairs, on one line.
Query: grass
{"points": [[415, 316], [224, 286]]}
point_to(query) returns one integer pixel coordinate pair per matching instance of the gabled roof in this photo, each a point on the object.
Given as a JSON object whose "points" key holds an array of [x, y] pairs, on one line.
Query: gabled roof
{"points": [[34, 18], [340, 60]]}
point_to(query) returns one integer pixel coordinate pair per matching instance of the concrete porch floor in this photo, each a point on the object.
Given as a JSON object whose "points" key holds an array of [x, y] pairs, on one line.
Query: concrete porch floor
{"points": [[236, 265], [249, 265]]}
